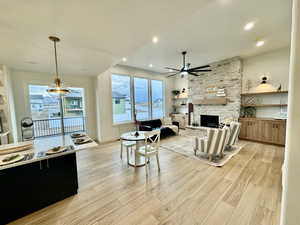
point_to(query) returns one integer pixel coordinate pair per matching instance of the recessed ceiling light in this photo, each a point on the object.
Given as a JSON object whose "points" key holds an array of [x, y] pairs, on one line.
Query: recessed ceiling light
{"points": [[155, 39], [150, 65], [260, 43], [124, 59], [249, 26]]}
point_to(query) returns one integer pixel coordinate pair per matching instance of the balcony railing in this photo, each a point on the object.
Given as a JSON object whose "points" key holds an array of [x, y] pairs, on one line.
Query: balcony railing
{"points": [[50, 127]]}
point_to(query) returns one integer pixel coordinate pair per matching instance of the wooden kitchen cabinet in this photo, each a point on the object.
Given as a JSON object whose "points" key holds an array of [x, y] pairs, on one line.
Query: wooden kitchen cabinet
{"points": [[263, 130]]}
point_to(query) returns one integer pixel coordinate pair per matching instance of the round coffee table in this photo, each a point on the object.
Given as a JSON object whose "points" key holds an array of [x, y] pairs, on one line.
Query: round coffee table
{"points": [[135, 159]]}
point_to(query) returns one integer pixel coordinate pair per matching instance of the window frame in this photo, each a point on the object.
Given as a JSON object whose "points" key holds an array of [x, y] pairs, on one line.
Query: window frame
{"points": [[132, 97]]}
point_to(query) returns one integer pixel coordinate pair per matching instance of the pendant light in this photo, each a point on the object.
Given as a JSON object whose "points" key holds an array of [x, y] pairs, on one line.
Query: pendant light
{"points": [[57, 88]]}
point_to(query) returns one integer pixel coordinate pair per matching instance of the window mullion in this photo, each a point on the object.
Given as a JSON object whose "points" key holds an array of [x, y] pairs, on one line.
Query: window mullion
{"points": [[132, 97], [150, 99]]}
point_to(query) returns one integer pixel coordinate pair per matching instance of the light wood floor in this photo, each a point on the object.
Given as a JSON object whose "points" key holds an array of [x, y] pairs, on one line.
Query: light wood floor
{"points": [[247, 190]]}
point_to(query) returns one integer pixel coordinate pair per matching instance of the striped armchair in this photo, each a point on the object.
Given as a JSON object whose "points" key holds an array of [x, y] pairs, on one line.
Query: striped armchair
{"points": [[214, 143], [235, 128]]}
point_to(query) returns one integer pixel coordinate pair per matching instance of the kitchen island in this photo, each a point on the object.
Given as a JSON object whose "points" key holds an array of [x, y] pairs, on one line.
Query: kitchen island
{"points": [[40, 179]]}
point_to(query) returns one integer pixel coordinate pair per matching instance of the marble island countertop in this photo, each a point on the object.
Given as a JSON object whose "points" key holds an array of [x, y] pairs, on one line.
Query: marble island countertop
{"points": [[42, 145]]}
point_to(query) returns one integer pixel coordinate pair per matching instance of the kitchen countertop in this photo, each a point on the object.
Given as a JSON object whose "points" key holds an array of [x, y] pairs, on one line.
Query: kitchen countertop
{"points": [[41, 145]]}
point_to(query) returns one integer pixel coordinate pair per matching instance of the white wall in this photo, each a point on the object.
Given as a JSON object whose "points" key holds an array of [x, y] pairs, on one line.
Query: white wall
{"points": [[21, 80], [291, 170], [7, 104], [11, 105], [275, 65], [106, 130]]}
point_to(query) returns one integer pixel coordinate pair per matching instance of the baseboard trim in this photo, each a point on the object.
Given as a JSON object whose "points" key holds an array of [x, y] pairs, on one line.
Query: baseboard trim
{"points": [[264, 142]]}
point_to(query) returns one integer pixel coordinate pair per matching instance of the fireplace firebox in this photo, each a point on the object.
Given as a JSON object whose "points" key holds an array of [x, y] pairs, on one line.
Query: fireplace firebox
{"points": [[209, 121]]}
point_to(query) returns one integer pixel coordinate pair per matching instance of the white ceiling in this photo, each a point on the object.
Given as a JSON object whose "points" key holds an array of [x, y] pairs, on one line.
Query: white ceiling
{"points": [[216, 32], [95, 33], [98, 33]]}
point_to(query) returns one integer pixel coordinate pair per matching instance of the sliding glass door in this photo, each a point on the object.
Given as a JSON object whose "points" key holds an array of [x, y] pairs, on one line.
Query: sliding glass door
{"points": [[48, 115]]}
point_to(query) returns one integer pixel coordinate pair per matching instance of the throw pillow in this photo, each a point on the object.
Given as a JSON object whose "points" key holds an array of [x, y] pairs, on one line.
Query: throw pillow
{"points": [[167, 121]]}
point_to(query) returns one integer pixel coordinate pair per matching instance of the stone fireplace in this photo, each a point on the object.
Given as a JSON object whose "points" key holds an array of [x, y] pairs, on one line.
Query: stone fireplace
{"points": [[226, 75]]}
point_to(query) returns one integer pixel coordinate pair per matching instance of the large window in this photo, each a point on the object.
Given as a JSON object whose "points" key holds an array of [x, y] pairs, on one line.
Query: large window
{"points": [[131, 95], [157, 98], [141, 98], [121, 98]]}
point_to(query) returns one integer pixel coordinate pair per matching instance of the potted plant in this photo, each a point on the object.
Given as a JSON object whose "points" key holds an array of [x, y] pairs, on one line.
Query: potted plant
{"points": [[176, 93]]}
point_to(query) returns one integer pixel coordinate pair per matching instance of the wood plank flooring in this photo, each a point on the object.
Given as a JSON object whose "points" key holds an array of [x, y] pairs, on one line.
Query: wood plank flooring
{"points": [[246, 191]]}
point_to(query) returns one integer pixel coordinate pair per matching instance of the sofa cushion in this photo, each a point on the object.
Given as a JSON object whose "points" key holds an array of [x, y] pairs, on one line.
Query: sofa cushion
{"points": [[152, 123], [172, 127]]}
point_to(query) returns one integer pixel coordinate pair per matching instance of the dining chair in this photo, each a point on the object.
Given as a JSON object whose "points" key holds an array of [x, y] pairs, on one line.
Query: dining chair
{"points": [[128, 145], [150, 148]]}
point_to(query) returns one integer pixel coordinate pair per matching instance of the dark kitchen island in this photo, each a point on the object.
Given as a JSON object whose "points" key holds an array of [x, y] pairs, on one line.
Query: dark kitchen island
{"points": [[40, 180]]}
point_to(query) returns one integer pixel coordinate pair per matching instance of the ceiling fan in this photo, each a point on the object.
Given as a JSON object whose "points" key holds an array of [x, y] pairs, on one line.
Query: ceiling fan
{"points": [[185, 70]]}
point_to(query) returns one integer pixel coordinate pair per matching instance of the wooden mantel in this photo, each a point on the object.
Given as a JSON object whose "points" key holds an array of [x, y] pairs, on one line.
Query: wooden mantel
{"points": [[211, 101]]}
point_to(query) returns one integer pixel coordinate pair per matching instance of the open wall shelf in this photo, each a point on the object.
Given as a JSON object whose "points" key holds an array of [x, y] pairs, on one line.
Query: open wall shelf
{"points": [[264, 105], [264, 93]]}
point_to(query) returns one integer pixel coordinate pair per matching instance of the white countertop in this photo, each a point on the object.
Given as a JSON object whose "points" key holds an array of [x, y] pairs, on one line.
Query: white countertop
{"points": [[41, 145]]}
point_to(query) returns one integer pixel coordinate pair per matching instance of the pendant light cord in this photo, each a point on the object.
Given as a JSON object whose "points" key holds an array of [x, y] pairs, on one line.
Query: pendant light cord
{"points": [[56, 66]]}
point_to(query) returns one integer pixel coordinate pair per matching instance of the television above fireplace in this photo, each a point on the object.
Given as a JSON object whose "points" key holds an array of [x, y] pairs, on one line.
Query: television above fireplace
{"points": [[209, 121]]}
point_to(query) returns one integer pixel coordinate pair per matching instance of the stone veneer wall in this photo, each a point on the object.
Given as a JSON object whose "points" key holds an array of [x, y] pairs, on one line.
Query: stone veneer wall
{"points": [[225, 74]]}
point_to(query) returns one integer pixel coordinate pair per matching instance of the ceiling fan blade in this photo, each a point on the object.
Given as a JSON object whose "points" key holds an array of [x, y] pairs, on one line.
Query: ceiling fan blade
{"points": [[194, 74], [173, 74], [198, 71], [171, 69], [200, 67]]}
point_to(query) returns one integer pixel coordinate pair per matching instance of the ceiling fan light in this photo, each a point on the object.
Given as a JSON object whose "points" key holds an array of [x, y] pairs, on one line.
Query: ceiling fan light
{"points": [[183, 73]]}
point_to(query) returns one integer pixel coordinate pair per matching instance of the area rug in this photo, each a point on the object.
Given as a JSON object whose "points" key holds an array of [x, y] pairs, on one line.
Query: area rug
{"points": [[184, 145]]}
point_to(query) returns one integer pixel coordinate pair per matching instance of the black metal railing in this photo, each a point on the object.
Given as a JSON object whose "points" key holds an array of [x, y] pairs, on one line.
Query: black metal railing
{"points": [[50, 127]]}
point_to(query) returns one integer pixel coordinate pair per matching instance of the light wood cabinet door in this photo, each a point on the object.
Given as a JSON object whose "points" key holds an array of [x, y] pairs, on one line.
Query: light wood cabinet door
{"points": [[243, 131], [278, 130], [266, 128]]}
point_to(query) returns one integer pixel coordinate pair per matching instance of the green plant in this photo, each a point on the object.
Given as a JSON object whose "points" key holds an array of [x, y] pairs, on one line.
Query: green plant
{"points": [[249, 112], [175, 92]]}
